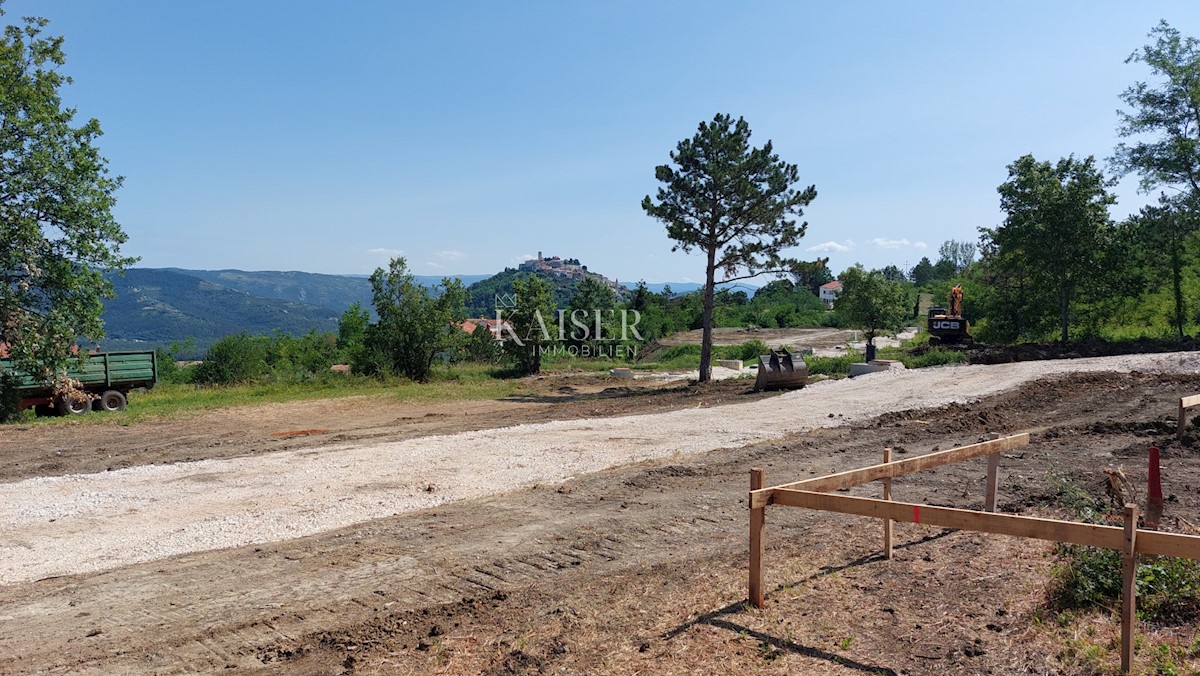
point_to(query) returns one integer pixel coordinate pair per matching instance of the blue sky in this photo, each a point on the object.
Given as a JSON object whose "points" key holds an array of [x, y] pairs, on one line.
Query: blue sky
{"points": [[327, 137]]}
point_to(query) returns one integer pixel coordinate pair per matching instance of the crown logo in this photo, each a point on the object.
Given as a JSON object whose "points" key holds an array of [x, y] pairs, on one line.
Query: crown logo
{"points": [[506, 300]]}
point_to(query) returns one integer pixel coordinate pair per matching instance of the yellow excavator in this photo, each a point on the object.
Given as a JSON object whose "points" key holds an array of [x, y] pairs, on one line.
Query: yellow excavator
{"points": [[947, 325]]}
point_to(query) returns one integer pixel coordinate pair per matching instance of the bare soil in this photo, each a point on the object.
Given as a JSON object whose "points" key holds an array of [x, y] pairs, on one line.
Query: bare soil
{"points": [[638, 569]]}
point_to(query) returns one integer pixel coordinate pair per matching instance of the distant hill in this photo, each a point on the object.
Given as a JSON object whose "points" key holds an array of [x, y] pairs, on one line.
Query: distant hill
{"points": [[481, 296], [156, 307], [336, 292]]}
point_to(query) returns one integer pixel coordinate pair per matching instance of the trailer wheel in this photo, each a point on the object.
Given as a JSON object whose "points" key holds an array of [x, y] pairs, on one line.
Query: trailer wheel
{"points": [[74, 405], [112, 400]]}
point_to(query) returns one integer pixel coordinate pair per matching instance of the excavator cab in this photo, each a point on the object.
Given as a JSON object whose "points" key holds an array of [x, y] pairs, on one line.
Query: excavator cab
{"points": [[947, 325]]}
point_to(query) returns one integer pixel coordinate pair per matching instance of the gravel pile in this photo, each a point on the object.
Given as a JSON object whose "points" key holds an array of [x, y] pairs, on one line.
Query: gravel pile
{"points": [[88, 523]]}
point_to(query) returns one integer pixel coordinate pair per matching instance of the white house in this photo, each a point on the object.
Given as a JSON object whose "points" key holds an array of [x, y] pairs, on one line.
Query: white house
{"points": [[829, 292]]}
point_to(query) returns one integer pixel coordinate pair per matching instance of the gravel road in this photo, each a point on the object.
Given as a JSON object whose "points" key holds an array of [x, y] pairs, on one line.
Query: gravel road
{"points": [[89, 523]]}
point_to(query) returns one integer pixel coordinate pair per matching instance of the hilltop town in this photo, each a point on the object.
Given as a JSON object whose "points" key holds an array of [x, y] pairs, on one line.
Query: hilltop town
{"points": [[566, 268]]}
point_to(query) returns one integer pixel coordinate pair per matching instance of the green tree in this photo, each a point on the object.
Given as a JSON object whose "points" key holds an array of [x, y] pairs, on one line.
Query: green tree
{"points": [[955, 256], [1164, 116], [734, 203], [239, 358], [531, 324], [812, 274], [58, 237], [1056, 234], [893, 274], [871, 302], [591, 296], [1164, 120], [414, 325], [1158, 236], [352, 335], [922, 273]]}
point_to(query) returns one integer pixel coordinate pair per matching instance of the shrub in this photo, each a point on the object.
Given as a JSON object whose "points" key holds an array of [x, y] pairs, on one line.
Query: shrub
{"points": [[934, 357], [10, 398], [751, 350], [233, 359], [831, 366], [1168, 589]]}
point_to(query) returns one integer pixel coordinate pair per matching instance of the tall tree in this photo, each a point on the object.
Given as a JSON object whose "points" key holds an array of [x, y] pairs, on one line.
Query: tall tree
{"points": [[1158, 236], [922, 273], [531, 324], [592, 298], [352, 334], [956, 255], [871, 302], [1164, 120], [893, 274], [58, 237], [734, 203], [812, 274], [1056, 229], [414, 326], [1164, 116]]}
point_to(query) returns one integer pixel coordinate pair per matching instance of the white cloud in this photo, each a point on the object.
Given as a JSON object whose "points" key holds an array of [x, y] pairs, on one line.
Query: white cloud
{"points": [[832, 246], [390, 253], [884, 243], [451, 255], [432, 264], [920, 245], [523, 257]]}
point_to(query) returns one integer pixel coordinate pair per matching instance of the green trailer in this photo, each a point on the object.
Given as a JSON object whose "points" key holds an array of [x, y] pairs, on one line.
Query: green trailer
{"points": [[106, 378]]}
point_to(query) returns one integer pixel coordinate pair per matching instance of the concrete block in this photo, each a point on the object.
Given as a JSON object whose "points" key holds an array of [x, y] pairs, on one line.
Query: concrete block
{"points": [[875, 366], [735, 364], [621, 373]]}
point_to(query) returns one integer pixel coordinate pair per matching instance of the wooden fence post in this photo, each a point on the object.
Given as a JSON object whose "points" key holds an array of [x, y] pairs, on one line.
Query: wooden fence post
{"points": [[993, 478], [1129, 588], [758, 517], [1185, 403], [887, 495]]}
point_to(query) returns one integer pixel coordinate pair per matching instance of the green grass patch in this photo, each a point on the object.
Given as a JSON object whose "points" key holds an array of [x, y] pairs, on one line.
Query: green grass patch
{"points": [[933, 357], [463, 383], [687, 357], [832, 367]]}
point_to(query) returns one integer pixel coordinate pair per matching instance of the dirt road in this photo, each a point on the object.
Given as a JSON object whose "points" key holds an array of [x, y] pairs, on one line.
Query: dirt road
{"points": [[616, 569]]}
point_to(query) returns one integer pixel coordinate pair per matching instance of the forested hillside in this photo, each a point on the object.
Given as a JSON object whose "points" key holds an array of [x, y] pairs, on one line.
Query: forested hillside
{"points": [[157, 307]]}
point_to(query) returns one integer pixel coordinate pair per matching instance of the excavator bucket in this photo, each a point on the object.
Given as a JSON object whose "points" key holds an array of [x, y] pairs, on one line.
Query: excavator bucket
{"points": [[780, 371]]}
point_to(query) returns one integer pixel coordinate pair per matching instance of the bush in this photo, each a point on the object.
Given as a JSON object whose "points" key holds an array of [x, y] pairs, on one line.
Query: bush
{"points": [[831, 366], [1168, 589], [749, 351], [10, 398], [233, 359], [933, 357]]}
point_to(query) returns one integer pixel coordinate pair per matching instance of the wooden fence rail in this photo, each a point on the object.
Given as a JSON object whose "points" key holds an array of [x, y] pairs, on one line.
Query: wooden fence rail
{"points": [[810, 494], [1185, 405]]}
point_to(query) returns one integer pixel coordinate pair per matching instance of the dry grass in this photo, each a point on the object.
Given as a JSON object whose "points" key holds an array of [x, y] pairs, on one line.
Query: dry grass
{"points": [[950, 602]]}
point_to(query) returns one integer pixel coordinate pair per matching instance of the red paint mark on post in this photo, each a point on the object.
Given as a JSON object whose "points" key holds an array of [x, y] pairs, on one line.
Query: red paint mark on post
{"points": [[916, 514]]}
